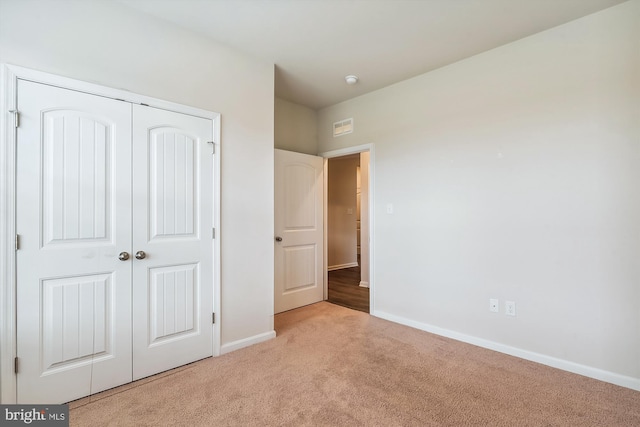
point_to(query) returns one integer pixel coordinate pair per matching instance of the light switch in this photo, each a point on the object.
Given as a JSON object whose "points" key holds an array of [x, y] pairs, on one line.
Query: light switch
{"points": [[389, 208]]}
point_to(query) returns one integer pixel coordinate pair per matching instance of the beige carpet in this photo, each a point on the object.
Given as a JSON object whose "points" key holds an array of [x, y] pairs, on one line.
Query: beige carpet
{"points": [[331, 366]]}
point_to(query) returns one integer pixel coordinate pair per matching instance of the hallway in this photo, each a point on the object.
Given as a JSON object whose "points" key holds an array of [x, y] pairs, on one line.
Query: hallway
{"points": [[345, 289]]}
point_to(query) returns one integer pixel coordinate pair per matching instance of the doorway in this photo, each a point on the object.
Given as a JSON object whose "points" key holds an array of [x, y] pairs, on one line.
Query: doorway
{"points": [[348, 203]]}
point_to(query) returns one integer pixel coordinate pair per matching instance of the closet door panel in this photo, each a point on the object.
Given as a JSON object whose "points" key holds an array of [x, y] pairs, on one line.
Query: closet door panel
{"points": [[73, 213], [173, 225]]}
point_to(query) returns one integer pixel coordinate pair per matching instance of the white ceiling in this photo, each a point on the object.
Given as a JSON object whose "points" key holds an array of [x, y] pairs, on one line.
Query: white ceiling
{"points": [[316, 43]]}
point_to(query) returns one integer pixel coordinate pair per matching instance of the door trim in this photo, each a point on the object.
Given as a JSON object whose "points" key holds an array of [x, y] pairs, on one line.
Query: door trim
{"points": [[345, 152], [10, 74]]}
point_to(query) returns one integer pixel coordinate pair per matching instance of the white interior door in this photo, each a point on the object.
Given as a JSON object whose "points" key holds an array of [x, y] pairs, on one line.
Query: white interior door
{"points": [[173, 226], [299, 230], [73, 219], [115, 266]]}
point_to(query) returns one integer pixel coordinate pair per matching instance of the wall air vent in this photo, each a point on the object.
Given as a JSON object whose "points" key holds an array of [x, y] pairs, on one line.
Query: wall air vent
{"points": [[342, 127]]}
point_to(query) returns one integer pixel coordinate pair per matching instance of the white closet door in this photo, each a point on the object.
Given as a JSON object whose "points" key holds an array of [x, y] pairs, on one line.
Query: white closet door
{"points": [[73, 213], [173, 226]]}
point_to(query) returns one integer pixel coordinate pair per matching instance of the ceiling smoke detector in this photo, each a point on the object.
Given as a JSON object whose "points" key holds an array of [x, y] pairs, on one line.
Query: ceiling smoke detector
{"points": [[351, 79]]}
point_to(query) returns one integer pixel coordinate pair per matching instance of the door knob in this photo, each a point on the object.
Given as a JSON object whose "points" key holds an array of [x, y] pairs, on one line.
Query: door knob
{"points": [[278, 239], [123, 256], [141, 255]]}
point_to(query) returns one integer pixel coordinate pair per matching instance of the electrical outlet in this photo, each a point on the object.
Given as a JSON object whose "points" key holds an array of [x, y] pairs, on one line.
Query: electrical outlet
{"points": [[510, 308], [494, 305]]}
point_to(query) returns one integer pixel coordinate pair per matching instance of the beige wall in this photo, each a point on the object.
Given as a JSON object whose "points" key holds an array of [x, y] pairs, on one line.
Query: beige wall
{"points": [[341, 212], [515, 174], [295, 127], [112, 45]]}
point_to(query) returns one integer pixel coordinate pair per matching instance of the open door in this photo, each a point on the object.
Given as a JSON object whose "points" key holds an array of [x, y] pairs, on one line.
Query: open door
{"points": [[299, 252]]}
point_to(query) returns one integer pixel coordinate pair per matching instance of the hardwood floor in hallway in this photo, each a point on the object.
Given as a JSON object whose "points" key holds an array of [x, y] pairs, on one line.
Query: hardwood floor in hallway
{"points": [[345, 289]]}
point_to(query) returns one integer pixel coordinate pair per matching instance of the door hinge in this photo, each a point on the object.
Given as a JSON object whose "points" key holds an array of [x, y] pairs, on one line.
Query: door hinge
{"points": [[213, 233], [16, 115], [213, 318], [17, 242], [15, 365], [213, 146]]}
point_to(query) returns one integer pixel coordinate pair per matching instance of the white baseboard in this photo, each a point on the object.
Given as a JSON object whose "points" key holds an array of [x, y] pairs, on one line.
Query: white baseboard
{"points": [[565, 365], [246, 342], [340, 266], [364, 284]]}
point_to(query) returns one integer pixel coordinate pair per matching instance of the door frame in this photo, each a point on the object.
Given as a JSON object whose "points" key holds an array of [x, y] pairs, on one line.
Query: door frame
{"points": [[9, 75], [370, 148]]}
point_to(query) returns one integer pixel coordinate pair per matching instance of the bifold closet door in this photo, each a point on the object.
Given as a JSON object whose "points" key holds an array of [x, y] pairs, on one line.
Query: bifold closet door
{"points": [[73, 213]]}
